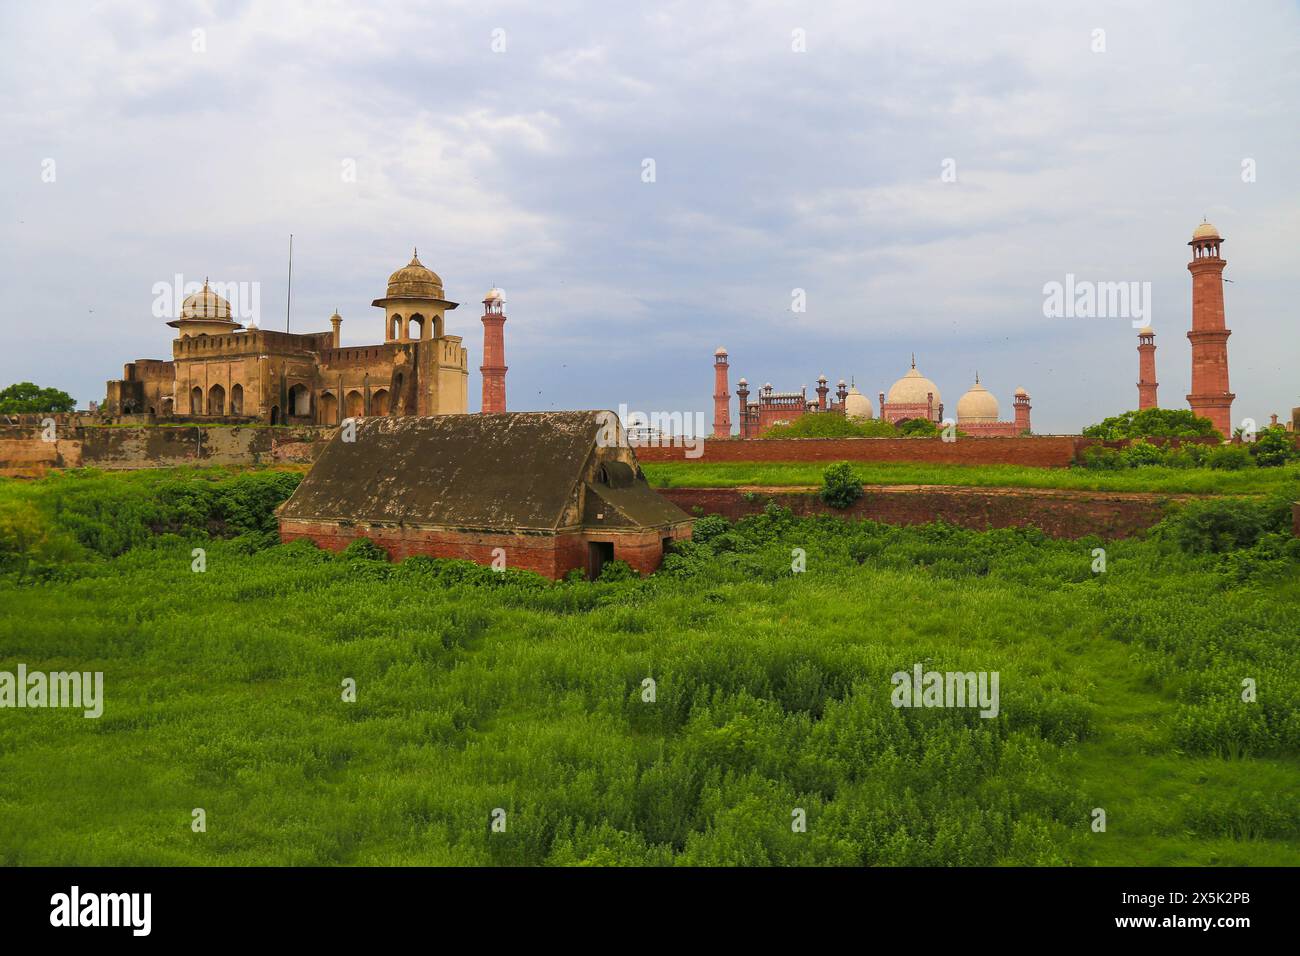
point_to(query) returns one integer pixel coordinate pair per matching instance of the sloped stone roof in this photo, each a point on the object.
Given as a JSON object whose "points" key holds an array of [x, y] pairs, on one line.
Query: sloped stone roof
{"points": [[515, 471]]}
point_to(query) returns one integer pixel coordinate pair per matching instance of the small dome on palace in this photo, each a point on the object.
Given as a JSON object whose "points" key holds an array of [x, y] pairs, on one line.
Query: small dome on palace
{"points": [[857, 405], [1206, 230], [414, 281], [206, 304], [912, 389], [977, 405]]}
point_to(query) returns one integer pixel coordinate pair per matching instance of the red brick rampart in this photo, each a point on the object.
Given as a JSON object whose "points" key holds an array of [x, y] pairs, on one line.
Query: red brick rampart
{"points": [[1045, 452], [1060, 513]]}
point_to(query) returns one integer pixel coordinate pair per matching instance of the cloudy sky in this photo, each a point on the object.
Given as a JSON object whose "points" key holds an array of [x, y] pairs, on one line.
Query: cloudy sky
{"points": [[795, 146]]}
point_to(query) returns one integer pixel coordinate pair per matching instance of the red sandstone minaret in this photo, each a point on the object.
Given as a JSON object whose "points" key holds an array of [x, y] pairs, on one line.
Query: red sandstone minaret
{"points": [[1209, 397], [721, 395], [1022, 411], [1146, 368], [494, 366]]}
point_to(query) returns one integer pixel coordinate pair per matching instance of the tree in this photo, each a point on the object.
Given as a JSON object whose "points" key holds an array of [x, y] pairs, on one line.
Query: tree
{"points": [[828, 425], [842, 486], [27, 398], [918, 428], [1153, 423]]}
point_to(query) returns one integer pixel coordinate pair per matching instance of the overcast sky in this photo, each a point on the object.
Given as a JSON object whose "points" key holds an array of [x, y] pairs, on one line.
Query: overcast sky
{"points": [[774, 170]]}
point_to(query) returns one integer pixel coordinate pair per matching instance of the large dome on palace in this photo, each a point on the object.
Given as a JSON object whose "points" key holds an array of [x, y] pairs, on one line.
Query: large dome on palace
{"points": [[977, 405], [912, 389]]}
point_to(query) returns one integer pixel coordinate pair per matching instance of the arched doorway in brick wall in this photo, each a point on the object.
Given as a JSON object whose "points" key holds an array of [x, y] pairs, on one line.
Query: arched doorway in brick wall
{"points": [[355, 406], [299, 401], [329, 409], [216, 401], [379, 402], [196, 401], [237, 400]]}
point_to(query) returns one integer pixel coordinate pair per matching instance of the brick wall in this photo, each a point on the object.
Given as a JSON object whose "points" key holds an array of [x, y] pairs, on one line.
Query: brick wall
{"points": [[1044, 452], [24, 453], [1061, 514]]}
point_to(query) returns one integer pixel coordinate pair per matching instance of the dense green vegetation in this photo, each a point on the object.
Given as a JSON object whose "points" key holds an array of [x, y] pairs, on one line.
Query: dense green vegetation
{"points": [[477, 690], [1153, 423], [1156, 478], [27, 398], [1272, 448], [833, 426]]}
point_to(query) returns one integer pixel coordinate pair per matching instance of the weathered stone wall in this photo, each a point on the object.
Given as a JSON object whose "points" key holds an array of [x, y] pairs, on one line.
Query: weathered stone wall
{"points": [[25, 453], [1061, 514]]}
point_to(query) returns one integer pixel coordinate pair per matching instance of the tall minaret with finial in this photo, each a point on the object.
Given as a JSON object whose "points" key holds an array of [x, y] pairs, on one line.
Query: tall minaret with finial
{"points": [[1146, 368], [722, 396], [494, 366], [1209, 397]]}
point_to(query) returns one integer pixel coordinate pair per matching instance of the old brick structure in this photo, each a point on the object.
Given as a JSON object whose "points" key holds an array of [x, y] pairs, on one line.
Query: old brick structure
{"points": [[1209, 397], [221, 369], [721, 395], [542, 491], [977, 413]]}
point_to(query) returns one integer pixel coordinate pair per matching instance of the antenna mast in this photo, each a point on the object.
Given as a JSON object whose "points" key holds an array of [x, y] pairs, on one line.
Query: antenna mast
{"points": [[289, 297]]}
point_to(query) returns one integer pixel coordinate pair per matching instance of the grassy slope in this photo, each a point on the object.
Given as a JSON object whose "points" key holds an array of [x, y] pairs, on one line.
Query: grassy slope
{"points": [[223, 693], [1155, 479]]}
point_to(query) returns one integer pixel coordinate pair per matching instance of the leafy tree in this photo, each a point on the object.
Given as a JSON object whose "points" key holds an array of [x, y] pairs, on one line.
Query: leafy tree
{"points": [[918, 428], [1153, 423], [27, 398], [1229, 458], [823, 425], [842, 486], [1273, 447]]}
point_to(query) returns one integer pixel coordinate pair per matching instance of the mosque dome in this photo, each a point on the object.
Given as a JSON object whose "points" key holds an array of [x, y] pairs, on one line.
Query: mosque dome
{"points": [[912, 389], [414, 281], [1021, 391], [493, 294], [720, 351], [1206, 230], [206, 304], [857, 405], [977, 405]]}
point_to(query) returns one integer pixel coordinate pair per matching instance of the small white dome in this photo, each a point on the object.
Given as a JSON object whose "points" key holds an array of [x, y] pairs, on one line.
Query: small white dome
{"points": [[857, 405], [977, 405]]}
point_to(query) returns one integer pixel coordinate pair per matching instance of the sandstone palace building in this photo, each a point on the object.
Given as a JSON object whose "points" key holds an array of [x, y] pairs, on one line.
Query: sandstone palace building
{"points": [[221, 369]]}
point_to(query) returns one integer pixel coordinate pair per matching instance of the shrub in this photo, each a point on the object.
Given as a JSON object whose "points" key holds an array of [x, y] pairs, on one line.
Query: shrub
{"points": [[841, 487], [617, 571], [1142, 453], [1273, 447], [709, 527], [917, 428], [1222, 525], [1101, 458], [363, 549], [1229, 458]]}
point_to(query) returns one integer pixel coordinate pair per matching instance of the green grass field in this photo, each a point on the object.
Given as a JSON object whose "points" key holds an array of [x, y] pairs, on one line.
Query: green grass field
{"points": [[1249, 481], [477, 691]]}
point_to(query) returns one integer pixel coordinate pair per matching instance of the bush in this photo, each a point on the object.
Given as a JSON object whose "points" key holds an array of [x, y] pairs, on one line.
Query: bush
{"points": [[1229, 458], [1273, 447], [918, 428], [842, 486], [1226, 524], [617, 571], [1101, 458], [1142, 453], [363, 549]]}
